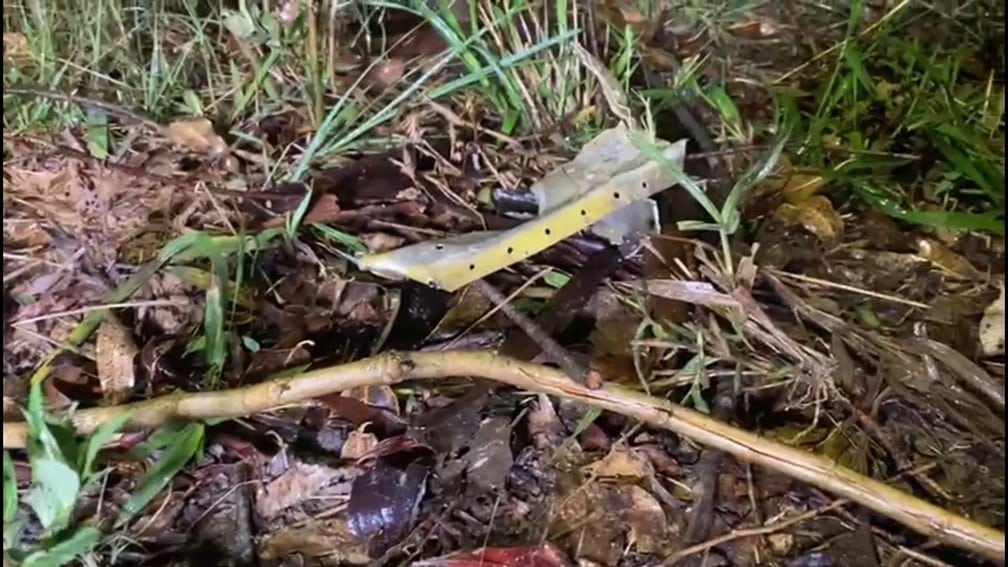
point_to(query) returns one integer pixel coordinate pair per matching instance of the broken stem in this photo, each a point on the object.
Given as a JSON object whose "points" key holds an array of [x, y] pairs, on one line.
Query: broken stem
{"points": [[552, 349], [395, 367]]}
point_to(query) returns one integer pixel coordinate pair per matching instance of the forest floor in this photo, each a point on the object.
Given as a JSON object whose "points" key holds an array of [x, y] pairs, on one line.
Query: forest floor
{"points": [[778, 342]]}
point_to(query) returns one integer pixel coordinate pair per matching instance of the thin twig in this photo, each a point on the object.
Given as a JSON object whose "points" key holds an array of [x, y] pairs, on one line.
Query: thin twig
{"points": [[552, 349], [750, 532], [861, 291]]}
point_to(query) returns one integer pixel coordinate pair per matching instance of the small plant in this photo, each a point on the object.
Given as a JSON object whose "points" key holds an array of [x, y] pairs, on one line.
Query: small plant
{"points": [[63, 469]]}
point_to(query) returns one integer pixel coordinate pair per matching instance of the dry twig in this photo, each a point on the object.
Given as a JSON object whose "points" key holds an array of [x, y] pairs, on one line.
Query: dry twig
{"points": [[395, 367]]}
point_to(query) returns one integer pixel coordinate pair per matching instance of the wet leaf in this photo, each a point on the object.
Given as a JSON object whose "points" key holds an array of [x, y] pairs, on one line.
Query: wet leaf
{"points": [[115, 353], [384, 503], [489, 459]]}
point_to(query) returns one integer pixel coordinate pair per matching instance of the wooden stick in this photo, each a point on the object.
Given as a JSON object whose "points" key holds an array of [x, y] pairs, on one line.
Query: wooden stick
{"points": [[395, 367]]}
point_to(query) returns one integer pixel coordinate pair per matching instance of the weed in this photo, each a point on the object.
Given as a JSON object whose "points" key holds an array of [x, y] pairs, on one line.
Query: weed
{"points": [[901, 125], [63, 471]]}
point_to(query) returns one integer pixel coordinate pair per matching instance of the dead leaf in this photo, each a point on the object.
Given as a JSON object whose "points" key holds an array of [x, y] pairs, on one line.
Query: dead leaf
{"points": [[384, 503], [115, 352], [645, 519], [816, 215], [489, 459], [197, 135]]}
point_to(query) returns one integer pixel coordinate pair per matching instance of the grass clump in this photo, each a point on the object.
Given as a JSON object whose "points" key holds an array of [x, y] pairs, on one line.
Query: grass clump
{"points": [[913, 128]]}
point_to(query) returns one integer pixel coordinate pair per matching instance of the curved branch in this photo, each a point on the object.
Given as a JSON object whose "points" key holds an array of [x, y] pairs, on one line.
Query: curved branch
{"points": [[394, 367]]}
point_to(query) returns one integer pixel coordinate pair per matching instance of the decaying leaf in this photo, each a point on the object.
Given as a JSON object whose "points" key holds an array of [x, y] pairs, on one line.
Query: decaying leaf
{"points": [[197, 134], [115, 351], [609, 174], [992, 327]]}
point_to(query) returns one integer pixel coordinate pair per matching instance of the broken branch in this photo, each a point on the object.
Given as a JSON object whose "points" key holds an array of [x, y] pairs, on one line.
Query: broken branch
{"points": [[394, 367]]}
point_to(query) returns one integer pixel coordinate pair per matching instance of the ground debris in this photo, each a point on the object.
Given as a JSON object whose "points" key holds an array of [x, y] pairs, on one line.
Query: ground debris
{"points": [[852, 305]]}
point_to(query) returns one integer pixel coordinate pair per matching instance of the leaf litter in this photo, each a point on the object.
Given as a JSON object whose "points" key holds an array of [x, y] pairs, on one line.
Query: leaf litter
{"points": [[832, 341]]}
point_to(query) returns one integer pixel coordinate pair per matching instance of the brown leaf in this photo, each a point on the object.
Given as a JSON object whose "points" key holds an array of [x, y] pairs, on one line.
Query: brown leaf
{"points": [[197, 134], [115, 351], [377, 395]]}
